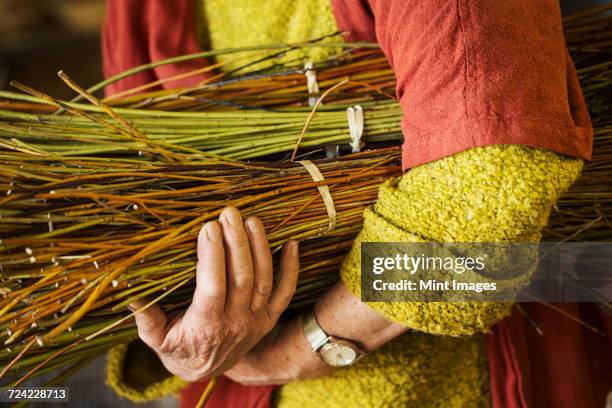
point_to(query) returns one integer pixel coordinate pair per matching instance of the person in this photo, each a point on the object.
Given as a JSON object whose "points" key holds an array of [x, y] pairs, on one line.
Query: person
{"points": [[495, 129]]}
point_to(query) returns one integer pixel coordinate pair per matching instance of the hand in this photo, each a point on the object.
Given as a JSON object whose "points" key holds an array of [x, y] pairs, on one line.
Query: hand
{"points": [[235, 303]]}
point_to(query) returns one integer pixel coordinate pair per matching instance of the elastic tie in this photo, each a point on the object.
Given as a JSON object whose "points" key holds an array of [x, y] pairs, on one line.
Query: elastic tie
{"points": [[316, 175], [355, 124]]}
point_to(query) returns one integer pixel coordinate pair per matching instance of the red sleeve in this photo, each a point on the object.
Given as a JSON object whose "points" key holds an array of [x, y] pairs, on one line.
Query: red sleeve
{"points": [[476, 73], [136, 32]]}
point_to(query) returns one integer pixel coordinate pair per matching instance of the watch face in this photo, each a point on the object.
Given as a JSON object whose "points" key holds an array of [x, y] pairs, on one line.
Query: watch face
{"points": [[338, 355]]}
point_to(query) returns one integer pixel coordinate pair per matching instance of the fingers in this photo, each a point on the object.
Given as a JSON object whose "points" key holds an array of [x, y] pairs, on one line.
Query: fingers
{"points": [[151, 323], [238, 260], [287, 282], [210, 293], [262, 263]]}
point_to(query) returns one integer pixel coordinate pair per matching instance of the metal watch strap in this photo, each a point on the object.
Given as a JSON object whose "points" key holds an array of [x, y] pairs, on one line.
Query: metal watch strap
{"points": [[313, 332]]}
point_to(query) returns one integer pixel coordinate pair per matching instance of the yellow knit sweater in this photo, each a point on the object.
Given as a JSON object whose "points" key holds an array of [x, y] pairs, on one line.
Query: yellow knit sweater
{"points": [[489, 194], [242, 23]]}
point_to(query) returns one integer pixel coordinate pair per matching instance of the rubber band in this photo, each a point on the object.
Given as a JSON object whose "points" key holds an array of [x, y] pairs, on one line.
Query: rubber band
{"points": [[355, 124], [316, 175]]}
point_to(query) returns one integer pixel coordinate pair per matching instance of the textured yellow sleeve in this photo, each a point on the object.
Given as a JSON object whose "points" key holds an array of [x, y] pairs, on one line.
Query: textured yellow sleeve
{"points": [[500, 193], [134, 372]]}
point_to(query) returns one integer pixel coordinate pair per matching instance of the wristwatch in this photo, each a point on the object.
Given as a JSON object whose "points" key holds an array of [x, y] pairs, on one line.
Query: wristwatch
{"points": [[333, 351]]}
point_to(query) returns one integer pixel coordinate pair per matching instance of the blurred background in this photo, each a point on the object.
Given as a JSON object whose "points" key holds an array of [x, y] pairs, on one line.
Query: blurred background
{"points": [[40, 37]]}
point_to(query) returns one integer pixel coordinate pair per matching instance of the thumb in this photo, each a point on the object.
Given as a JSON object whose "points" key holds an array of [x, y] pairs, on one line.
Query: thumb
{"points": [[151, 323]]}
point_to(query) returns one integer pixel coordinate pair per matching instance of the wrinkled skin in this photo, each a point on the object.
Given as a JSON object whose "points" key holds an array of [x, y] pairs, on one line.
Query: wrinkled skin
{"points": [[235, 304]]}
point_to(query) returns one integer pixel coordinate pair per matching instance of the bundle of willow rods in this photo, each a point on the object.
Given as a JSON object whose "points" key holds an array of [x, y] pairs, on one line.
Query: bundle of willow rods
{"points": [[105, 233], [103, 204], [103, 200]]}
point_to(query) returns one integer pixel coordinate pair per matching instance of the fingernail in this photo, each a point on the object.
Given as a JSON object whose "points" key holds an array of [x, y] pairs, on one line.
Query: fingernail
{"points": [[224, 216], [208, 229], [292, 247], [250, 224], [131, 308], [204, 232], [231, 215]]}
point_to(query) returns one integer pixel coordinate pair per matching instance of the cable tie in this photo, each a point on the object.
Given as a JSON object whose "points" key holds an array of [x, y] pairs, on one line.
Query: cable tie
{"points": [[355, 124]]}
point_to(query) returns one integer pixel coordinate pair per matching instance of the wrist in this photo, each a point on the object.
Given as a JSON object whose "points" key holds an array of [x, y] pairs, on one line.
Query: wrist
{"points": [[335, 352], [343, 315], [287, 356], [309, 365]]}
